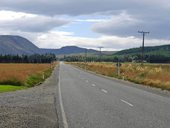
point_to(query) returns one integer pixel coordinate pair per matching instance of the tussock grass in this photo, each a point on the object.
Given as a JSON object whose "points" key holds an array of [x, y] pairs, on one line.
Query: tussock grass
{"points": [[24, 74], [155, 75]]}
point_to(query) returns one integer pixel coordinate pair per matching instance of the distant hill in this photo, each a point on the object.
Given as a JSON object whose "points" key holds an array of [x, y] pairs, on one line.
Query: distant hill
{"points": [[16, 45], [68, 50], [151, 50], [108, 52]]}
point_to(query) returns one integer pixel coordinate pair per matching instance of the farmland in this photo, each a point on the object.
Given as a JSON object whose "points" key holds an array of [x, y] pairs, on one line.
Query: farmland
{"points": [[155, 75], [24, 75]]}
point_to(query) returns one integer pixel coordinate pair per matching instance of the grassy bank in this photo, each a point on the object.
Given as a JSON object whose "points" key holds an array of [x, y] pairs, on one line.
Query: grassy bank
{"points": [[9, 88], [21, 76], [155, 75], [37, 78]]}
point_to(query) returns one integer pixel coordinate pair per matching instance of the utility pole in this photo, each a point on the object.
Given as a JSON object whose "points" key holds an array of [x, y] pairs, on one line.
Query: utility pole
{"points": [[143, 33], [118, 67], [85, 59], [100, 55], [85, 55]]}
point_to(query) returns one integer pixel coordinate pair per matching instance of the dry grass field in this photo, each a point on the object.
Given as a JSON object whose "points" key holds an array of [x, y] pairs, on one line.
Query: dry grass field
{"points": [[156, 75], [23, 74]]}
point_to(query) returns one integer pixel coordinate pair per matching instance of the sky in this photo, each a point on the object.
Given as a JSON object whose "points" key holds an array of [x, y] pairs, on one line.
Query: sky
{"points": [[112, 24]]}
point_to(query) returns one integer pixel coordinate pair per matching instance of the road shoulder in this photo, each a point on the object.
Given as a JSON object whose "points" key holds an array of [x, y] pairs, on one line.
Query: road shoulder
{"points": [[33, 108]]}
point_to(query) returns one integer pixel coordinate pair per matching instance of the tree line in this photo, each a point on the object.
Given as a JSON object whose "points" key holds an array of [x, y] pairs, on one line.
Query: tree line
{"points": [[122, 58], [35, 58]]}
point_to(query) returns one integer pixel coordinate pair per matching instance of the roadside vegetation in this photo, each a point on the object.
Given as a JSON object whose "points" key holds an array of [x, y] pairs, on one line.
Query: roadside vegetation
{"points": [[155, 75], [9, 88], [20, 76]]}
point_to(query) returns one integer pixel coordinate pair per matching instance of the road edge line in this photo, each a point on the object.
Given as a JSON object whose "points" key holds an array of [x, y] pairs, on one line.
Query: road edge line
{"points": [[64, 119]]}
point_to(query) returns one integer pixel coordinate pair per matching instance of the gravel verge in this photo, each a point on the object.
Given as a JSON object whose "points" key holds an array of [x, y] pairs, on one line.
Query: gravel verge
{"points": [[31, 108]]}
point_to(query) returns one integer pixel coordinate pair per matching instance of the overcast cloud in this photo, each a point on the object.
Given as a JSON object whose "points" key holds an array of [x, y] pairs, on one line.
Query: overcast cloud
{"points": [[116, 22], [79, 7], [29, 22]]}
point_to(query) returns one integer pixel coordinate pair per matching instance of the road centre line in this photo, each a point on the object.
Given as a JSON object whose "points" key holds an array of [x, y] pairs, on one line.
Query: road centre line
{"points": [[127, 102], [93, 85], [103, 90]]}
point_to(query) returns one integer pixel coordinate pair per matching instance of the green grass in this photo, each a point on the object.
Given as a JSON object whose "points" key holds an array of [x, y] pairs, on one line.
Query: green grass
{"points": [[36, 79], [9, 88]]}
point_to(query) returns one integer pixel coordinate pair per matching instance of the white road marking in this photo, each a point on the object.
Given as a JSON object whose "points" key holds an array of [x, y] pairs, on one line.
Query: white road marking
{"points": [[65, 124], [103, 90], [93, 85], [127, 103]]}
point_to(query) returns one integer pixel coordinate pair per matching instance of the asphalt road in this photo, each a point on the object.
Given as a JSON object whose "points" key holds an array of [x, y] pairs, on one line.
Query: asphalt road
{"points": [[91, 101]]}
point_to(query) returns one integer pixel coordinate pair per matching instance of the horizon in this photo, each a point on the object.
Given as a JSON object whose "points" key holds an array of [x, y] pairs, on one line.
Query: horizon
{"points": [[104, 50], [97, 48], [112, 24]]}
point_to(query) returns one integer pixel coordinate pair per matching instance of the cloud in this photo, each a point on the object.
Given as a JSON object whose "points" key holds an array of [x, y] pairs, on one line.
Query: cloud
{"points": [[24, 22], [152, 15], [57, 39], [116, 20], [91, 20], [60, 7], [122, 24], [78, 7], [125, 24]]}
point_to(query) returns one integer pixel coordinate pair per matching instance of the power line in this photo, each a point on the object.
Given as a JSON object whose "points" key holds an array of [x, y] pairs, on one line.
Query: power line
{"points": [[143, 33]]}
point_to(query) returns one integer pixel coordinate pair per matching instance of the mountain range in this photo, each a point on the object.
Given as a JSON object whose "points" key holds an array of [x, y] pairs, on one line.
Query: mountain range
{"points": [[68, 50], [17, 45]]}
